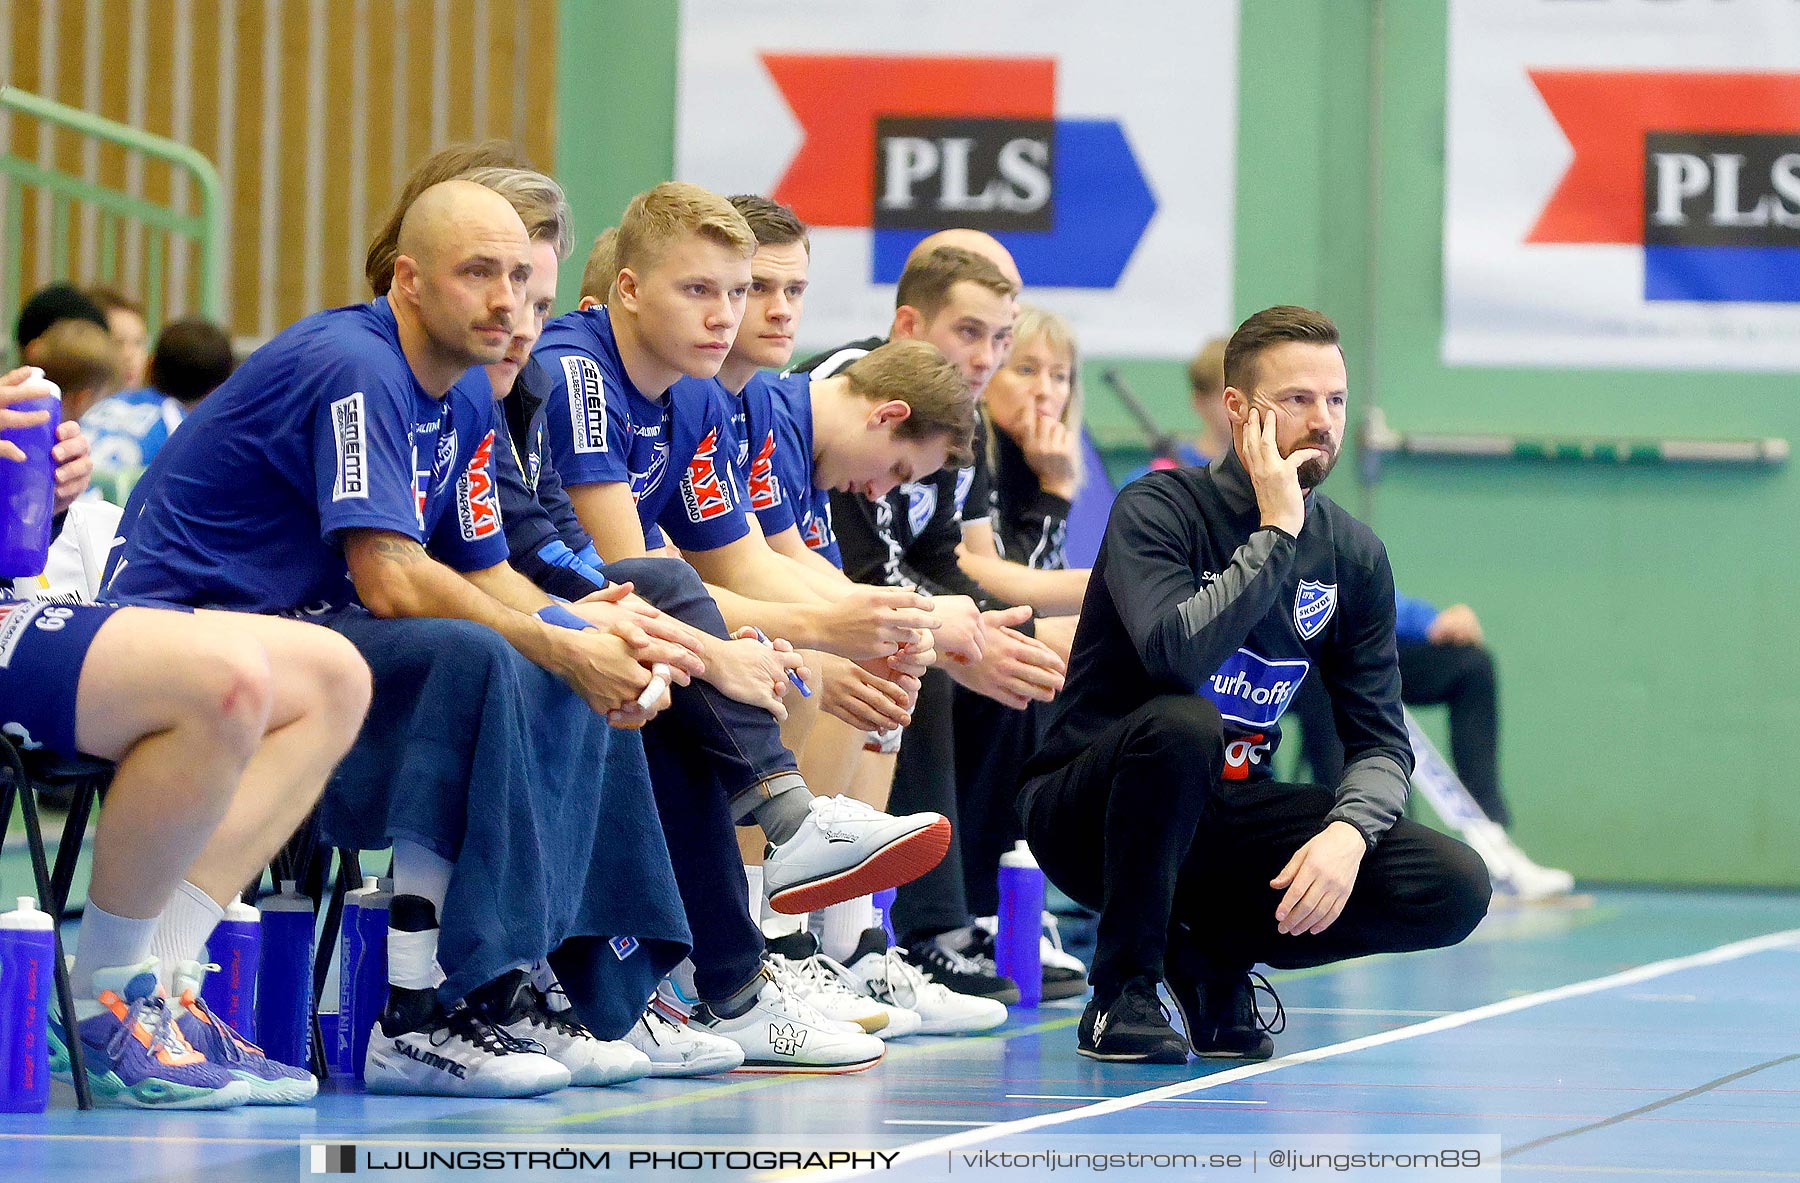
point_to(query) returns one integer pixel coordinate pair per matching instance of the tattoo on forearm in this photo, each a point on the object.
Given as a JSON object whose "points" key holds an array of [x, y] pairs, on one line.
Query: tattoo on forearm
{"points": [[400, 550]]}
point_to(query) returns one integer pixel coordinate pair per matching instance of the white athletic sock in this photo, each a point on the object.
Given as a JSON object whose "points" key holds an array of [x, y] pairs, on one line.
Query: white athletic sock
{"points": [[753, 877], [844, 925], [412, 960], [779, 924], [106, 941], [421, 872], [183, 929]]}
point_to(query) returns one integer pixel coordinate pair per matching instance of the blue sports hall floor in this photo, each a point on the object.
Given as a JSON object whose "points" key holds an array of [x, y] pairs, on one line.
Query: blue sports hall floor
{"points": [[1626, 1035]]}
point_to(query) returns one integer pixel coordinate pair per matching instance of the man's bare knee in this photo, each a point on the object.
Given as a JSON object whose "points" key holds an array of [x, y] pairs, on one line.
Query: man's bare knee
{"points": [[229, 695], [342, 688]]}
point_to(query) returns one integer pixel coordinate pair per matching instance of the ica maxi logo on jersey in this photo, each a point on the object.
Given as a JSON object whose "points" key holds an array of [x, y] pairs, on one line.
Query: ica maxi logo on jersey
{"points": [[702, 490]]}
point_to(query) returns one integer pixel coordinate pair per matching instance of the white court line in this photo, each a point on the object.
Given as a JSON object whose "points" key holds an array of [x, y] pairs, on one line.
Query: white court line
{"points": [[1630, 977], [1172, 1101], [1366, 1013]]}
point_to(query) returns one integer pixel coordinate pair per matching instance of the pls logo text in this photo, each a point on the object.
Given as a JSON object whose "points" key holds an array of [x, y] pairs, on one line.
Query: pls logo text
{"points": [[908, 145], [1701, 169]]}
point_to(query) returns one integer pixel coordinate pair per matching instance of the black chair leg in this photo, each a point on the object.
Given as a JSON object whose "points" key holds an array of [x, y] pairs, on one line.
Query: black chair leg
{"points": [[349, 877], [68, 851], [34, 840]]}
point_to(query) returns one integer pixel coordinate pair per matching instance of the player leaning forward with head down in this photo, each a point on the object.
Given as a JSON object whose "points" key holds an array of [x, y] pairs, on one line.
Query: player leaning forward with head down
{"points": [[1217, 592]]}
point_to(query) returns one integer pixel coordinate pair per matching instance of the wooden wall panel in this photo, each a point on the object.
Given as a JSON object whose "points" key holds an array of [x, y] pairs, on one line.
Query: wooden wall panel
{"points": [[314, 111]]}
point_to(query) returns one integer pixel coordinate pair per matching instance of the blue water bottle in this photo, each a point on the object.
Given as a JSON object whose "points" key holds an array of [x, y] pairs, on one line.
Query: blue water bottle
{"points": [[236, 946], [284, 994], [338, 1047], [27, 961], [884, 912], [362, 976], [28, 489], [1017, 947]]}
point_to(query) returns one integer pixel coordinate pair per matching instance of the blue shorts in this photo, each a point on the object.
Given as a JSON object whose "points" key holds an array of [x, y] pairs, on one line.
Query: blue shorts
{"points": [[42, 648]]}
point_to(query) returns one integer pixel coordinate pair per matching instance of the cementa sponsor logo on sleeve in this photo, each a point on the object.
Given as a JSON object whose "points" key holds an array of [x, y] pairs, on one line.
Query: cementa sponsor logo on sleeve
{"points": [[347, 430], [587, 403]]}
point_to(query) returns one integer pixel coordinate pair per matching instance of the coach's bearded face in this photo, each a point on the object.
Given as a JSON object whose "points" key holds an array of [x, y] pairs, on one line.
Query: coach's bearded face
{"points": [[1302, 387]]}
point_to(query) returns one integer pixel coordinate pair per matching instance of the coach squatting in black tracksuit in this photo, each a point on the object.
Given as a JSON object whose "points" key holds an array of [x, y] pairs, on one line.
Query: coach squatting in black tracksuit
{"points": [[1153, 799]]}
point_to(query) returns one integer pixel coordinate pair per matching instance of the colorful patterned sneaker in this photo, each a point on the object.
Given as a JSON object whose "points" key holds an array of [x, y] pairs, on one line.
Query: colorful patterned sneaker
{"points": [[136, 1057], [844, 849], [271, 1082], [676, 1049], [677, 992]]}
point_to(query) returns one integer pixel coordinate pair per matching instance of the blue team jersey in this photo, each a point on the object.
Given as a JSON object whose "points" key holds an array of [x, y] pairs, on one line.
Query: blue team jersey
{"points": [[603, 430], [125, 432], [790, 414], [749, 418], [324, 429]]}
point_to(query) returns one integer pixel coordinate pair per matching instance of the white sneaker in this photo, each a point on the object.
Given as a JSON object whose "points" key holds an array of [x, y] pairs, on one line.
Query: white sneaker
{"points": [[528, 1014], [459, 1055], [846, 849], [676, 1049], [1534, 882], [834, 991], [1513, 873], [886, 976], [782, 1032]]}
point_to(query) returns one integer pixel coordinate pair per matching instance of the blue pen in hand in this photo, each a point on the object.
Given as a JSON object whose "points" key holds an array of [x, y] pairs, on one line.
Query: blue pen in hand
{"points": [[799, 683]]}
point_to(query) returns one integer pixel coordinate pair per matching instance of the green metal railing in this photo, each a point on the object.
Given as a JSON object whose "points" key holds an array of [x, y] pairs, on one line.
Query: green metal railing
{"points": [[205, 228]]}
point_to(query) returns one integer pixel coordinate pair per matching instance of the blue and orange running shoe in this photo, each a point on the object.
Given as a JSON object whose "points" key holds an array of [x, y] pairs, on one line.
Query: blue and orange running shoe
{"points": [[136, 1056], [271, 1082]]}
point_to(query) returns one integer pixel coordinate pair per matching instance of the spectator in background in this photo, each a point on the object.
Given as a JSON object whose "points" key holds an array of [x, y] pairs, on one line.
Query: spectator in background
{"points": [[82, 359], [1206, 385], [1034, 458], [47, 305], [192, 358], [1444, 660], [125, 321]]}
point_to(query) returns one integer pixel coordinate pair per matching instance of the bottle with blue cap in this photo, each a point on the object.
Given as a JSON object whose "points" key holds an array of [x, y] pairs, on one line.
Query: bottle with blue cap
{"points": [[284, 990], [1018, 951], [28, 488], [27, 963], [236, 947], [363, 973]]}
